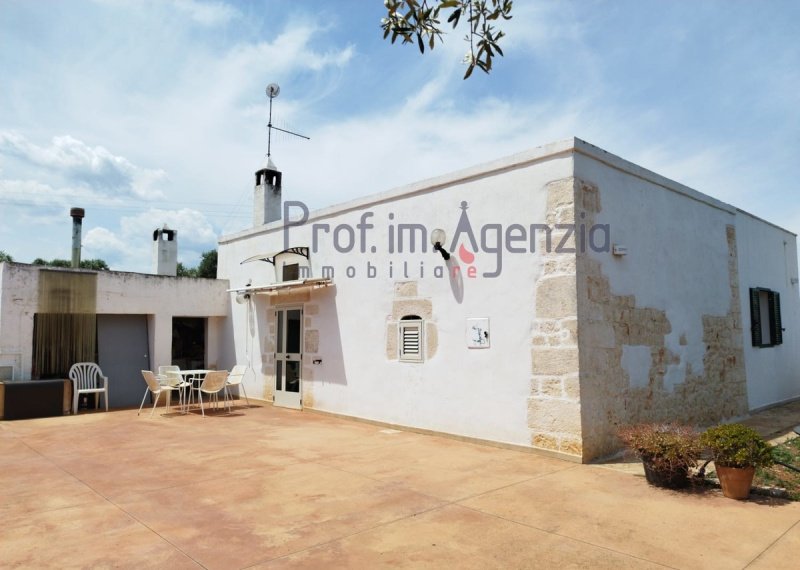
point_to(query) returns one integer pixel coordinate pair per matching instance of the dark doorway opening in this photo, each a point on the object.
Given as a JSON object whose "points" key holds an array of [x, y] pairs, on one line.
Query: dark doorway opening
{"points": [[189, 342]]}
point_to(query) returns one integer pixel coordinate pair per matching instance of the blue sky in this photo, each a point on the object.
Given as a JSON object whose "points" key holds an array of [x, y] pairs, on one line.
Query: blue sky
{"points": [[146, 113]]}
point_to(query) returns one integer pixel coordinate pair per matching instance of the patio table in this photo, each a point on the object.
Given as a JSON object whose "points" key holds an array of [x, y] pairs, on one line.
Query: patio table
{"points": [[193, 376]]}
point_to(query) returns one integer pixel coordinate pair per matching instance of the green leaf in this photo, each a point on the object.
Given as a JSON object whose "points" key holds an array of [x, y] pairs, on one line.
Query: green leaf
{"points": [[469, 71], [454, 17]]}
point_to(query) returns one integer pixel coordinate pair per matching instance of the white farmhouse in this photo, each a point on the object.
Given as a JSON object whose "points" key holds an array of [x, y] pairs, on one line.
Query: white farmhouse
{"points": [[53, 317], [541, 301], [582, 292]]}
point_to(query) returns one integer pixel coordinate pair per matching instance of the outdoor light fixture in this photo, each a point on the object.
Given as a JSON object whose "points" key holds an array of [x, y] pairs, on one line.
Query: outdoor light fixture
{"points": [[438, 237], [242, 298]]}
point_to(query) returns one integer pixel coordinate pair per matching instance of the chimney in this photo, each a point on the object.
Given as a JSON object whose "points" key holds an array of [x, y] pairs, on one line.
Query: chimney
{"points": [[165, 251], [77, 224], [267, 196]]}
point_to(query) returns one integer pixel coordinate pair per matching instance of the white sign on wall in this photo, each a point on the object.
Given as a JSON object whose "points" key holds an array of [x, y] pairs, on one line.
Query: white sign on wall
{"points": [[478, 332]]}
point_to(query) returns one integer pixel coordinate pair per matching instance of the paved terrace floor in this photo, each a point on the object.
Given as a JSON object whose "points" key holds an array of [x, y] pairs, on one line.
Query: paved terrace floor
{"points": [[270, 488]]}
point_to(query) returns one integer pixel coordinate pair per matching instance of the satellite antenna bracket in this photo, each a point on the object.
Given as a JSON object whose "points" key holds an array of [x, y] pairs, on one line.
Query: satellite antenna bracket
{"points": [[273, 90]]}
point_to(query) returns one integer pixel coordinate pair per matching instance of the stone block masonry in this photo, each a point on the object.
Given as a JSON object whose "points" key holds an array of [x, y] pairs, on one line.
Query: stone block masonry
{"points": [[554, 406], [608, 322], [580, 392]]}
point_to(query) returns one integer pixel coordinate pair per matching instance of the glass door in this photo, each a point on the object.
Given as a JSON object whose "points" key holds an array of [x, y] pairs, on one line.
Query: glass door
{"points": [[288, 357]]}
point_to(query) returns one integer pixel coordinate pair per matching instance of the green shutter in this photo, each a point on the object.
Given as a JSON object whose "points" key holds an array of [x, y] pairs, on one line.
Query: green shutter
{"points": [[775, 326], [755, 317]]}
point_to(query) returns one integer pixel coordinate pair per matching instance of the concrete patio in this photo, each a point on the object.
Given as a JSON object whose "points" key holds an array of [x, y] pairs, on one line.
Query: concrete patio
{"points": [[269, 488]]}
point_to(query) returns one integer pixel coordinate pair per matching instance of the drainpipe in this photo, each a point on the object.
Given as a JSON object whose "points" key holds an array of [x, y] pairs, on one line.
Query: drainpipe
{"points": [[77, 222]]}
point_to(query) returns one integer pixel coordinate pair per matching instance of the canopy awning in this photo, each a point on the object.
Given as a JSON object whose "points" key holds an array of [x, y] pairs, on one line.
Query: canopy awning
{"points": [[270, 257], [285, 287]]}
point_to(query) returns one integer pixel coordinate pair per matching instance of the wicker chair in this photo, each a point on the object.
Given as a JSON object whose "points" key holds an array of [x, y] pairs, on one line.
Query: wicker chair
{"points": [[155, 387], [235, 379], [214, 383]]}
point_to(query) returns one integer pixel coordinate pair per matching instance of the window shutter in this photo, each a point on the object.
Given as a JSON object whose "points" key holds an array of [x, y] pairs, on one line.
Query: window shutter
{"points": [[755, 317], [411, 341], [775, 328]]}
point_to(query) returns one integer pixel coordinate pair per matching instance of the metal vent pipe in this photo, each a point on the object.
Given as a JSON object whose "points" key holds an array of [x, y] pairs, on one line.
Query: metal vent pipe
{"points": [[77, 223]]}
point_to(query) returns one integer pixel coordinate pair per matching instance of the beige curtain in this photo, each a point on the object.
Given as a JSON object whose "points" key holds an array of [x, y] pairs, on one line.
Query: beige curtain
{"points": [[66, 324]]}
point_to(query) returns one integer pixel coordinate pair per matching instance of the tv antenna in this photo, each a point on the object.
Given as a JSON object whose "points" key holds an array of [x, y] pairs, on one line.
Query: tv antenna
{"points": [[273, 90]]}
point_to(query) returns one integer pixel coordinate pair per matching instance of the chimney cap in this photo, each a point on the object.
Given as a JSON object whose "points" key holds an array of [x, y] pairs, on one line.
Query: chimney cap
{"points": [[76, 213], [268, 165]]}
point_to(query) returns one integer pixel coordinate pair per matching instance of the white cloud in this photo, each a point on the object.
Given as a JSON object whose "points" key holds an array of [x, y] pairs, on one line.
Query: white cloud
{"points": [[542, 27], [94, 167], [130, 247], [101, 242], [207, 13], [192, 226], [39, 199]]}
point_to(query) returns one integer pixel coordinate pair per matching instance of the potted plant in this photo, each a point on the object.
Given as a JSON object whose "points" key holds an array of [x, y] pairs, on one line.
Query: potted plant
{"points": [[667, 452], [737, 450]]}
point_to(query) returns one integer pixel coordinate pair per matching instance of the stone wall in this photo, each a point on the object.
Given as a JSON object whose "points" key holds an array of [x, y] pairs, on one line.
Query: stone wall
{"points": [[554, 407], [610, 324]]}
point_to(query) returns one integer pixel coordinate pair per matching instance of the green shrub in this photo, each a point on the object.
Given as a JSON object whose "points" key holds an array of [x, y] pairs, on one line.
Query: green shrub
{"points": [[736, 445], [667, 447]]}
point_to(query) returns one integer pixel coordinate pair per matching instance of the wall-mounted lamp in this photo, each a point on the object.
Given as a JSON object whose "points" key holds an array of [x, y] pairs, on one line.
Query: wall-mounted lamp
{"points": [[242, 298], [438, 237]]}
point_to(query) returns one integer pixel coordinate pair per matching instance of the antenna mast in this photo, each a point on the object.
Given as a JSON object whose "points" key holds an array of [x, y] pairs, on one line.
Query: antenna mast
{"points": [[273, 90]]}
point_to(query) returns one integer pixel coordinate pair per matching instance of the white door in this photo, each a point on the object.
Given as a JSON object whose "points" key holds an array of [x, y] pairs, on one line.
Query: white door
{"points": [[288, 357]]}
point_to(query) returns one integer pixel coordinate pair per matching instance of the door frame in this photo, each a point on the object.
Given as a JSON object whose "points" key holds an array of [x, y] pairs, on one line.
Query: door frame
{"points": [[282, 398]]}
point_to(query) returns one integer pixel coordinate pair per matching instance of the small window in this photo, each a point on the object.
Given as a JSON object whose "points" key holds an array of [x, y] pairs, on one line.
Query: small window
{"points": [[291, 272], [765, 317], [410, 333]]}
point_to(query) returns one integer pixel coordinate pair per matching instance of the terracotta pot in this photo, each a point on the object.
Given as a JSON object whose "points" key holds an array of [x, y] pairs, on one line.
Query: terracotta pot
{"points": [[669, 479], [736, 481]]}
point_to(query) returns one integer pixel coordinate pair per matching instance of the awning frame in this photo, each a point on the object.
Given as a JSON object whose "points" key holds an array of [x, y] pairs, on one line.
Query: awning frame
{"points": [[270, 257], [284, 287]]}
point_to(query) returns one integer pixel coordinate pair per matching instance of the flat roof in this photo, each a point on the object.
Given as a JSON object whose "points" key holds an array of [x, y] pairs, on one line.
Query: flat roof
{"points": [[548, 151]]}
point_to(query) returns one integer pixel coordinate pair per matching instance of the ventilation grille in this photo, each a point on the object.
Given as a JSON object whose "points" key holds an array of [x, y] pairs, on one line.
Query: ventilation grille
{"points": [[411, 340]]}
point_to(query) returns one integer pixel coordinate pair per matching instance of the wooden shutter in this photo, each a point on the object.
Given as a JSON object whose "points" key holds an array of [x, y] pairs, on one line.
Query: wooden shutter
{"points": [[411, 341], [755, 317], [775, 327]]}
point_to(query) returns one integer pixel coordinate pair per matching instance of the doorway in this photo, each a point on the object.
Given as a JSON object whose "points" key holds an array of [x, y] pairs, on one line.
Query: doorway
{"points": [[288, 357], [122, 353], [189, 342]]}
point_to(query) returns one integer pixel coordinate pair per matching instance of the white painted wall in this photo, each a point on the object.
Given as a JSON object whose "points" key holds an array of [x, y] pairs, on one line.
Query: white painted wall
{"points": [[677, 257], [480, 393], [162, 298], [14, 325], [677, 261], [768, 259]]}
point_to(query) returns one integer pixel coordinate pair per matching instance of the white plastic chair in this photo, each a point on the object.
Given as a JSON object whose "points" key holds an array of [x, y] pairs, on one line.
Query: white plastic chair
{"points": [[235, 379], [87, 378], [155, 387], [214, 383]]}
